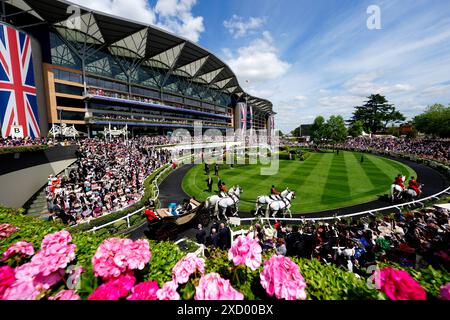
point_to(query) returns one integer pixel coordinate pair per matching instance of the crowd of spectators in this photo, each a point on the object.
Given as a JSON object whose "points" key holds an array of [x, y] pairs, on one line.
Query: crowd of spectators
{"points": [[438, 150], [417, 238], [10, 142], [108, 176]]}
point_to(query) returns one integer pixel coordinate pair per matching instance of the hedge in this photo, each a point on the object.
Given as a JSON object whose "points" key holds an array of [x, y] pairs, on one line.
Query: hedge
{"points": [[23, 149]]}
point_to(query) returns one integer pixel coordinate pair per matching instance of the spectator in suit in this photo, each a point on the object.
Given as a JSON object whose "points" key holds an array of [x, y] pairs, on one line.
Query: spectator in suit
{"points": [[291, 240], [209, 183], [200, 235], [212, 239], [224, 237]]}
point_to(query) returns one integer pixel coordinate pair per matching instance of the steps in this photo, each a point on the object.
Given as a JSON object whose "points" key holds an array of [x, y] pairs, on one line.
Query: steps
{"points": [[37, 207]]}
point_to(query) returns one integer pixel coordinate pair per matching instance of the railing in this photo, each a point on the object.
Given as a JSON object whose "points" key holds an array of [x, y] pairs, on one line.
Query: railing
{"points": [[200, 252]]}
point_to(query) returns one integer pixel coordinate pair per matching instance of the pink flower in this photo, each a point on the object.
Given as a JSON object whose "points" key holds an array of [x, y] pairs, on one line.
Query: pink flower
{"points": [[6, 230], [22, 248], [187, 266], [22, 290], [54, 256], [65, 295], [114, 289], [281, 276], [7, 278], [213, 287], [399, 285], [445, 292], [45, 282], [116, 256], [168, 291], [245, 250], [59, 238], [144, 291]]}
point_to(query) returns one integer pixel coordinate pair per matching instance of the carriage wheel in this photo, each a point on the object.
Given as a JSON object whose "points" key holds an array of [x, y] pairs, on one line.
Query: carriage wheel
{"points": [[166, 232], [203, 218]]}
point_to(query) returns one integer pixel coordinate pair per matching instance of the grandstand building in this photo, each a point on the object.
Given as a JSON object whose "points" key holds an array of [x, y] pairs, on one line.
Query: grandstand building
{"points": [[92, 69]]}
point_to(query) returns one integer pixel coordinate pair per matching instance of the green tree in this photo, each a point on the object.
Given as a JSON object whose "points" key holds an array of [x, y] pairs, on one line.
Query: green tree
{"points": [[296, 132], [376, 114], [335, 130], [356, 128], [318, 130], [434, 121]]}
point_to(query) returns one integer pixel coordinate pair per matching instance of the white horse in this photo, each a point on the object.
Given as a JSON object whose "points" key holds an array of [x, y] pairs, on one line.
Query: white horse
{"points": [[211, 201], [282, 205], [410, 194], [396, 191], [231, 201], [261, 201]]}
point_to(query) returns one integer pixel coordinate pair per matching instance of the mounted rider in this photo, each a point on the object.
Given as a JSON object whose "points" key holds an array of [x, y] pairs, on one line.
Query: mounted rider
{"points": [[223, 191], [414, 186], [399, 181], [274, 193]]}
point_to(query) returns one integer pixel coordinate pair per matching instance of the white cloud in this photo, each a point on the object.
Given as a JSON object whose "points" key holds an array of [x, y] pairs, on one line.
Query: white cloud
{"points": [[138, 10], [437, 90], [257, 62], [300, 98], [176, 16], [238, 27], [172, 15], [366, 84]]}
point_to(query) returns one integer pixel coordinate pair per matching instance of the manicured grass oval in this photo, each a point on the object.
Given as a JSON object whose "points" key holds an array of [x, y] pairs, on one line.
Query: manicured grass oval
{"points": [[323, 181]]}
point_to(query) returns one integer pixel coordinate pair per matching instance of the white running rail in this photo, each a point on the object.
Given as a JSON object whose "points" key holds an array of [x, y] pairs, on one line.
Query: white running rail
{"points": [[334, 217]]}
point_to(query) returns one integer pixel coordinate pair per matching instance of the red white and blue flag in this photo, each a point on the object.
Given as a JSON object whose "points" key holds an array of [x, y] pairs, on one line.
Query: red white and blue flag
{"points": [[243, 113], [18, 104]]}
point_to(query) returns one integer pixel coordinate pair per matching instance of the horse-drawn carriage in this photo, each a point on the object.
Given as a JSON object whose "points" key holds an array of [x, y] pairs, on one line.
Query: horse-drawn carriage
{"points": [[167, 226]]}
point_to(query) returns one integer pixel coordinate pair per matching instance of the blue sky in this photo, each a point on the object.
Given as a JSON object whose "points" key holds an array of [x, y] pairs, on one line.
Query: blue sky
{"points": [[315, 57]]}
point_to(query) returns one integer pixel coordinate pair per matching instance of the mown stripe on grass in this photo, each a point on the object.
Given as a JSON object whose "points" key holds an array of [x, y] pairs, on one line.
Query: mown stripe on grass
{"points": [[336, 187], [312, 188], [377, 176], [358, 180]]}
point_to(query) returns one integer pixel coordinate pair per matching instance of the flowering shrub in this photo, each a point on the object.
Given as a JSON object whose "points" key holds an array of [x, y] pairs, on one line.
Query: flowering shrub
{"points": [[65, 295], [7, 278], [114, 288], [71, 266], [116, 256], [23, 248], [144, 291], [281, 276], [6, 230], [213, 287], [168, 291], [245, 251], [445, 292], [399, 285], [46, 268], [187, 266]]}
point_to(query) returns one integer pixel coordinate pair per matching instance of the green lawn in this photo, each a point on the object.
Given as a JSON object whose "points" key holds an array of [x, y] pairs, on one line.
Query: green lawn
{"points": [[324, 181]]}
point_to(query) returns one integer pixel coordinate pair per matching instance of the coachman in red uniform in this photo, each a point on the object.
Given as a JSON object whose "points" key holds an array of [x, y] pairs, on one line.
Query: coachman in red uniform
{"points": [[399, 181], [414, 185]]}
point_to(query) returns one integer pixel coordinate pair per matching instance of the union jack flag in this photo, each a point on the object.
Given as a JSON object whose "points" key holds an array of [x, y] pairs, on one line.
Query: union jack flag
{"points": [[243, 112], [18, 104]]}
